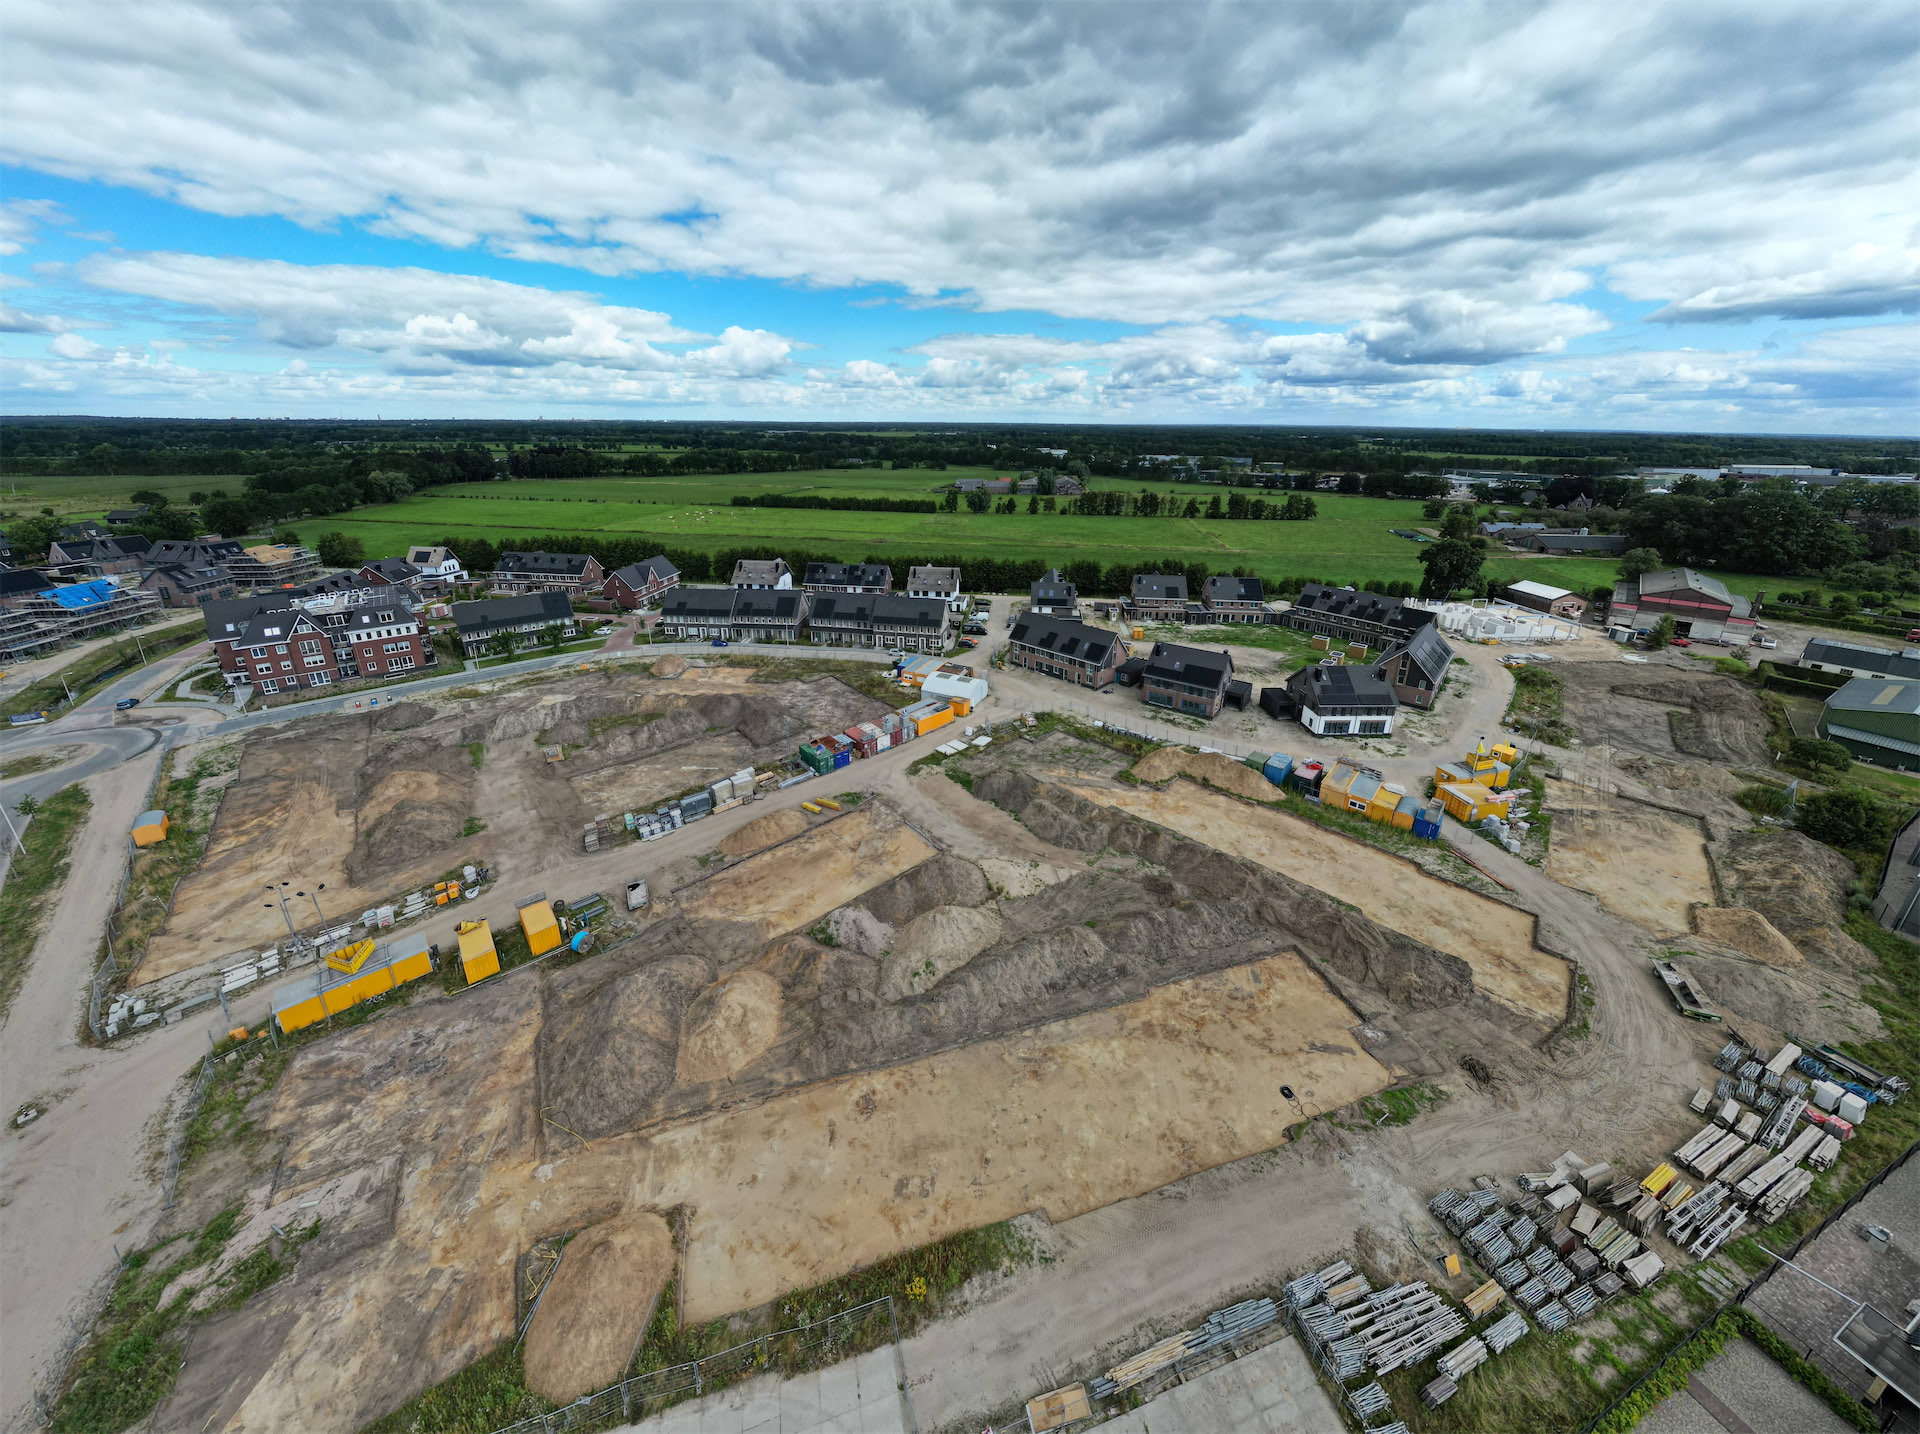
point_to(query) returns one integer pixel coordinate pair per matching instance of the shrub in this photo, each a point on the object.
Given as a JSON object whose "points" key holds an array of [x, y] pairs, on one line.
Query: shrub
{"points": [[1819, 756], [1847, 818]]}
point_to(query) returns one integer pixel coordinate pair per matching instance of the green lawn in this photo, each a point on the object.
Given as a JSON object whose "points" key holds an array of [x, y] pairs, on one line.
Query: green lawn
{"points": [[1350, 541], [90, 495]]}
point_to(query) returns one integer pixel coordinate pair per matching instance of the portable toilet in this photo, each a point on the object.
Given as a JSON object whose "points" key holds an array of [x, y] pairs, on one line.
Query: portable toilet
{"points": [[478, 958], [537, 920], [1277, 768], [150, 827]]}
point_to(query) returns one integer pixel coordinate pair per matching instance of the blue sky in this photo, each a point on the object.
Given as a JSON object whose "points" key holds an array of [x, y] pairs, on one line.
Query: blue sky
{"points": [[1557, 216]]}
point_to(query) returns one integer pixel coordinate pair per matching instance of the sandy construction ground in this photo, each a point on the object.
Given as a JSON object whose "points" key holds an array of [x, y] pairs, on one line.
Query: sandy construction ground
{"points": [[1493, 938], [841, 859], [1644, 864]]}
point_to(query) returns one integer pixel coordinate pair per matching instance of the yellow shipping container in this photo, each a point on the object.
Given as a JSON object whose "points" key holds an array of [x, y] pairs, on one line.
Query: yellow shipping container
{"points": [[1383, 805], [1468, 801], [478, 957], [939, 717], [543, 931], [1507, 752], [1333, 786], [150, 827]]}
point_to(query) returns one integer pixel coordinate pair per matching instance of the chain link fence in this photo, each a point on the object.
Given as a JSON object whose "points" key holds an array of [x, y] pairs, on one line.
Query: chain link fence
{"points": [[176, 1147], [787, 1351]]}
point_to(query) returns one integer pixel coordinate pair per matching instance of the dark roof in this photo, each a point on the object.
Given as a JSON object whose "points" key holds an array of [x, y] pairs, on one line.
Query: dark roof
{"points": [[843, 607], [1165, 586], [394, 570], [697, 604], [1362, 606], [492, 614], [864, 575], [127, 515], [765, 604], [1232, 589], [87, 529], [1904, 663], [1199, 666], [896, 610], [23, 580], [183, 576], [227, 617], [101, 550], [1337, 685], [1429, 651], [1668, 580], [274, 624], [566, 565], [1063, 637], [934, 577], [1052, 587], [1579, 542], [638, 575], [195, 551]]}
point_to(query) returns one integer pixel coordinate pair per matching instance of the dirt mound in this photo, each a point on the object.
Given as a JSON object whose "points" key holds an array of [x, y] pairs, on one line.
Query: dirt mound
{"points": [[403, 717], [1747, 931], [609, 1052], [670, 666], [763, 832], [1022, 878], [1806, 1002], [729, 1026], [1800, 887], [859, 931], [946, 880], [1212, 767], [934, 944], [596, 1305]]}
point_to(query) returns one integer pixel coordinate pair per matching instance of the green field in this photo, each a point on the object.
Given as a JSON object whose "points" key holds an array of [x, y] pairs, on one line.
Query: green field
{"points": [[1349, 542]]}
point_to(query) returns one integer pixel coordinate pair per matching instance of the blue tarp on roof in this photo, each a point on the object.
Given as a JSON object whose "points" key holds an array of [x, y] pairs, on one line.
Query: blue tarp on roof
{"points": [[76, 596]]}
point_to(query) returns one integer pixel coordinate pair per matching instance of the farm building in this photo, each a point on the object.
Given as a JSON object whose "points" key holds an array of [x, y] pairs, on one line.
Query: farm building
{"points": [[1877, 720], [1700, 606], [1577, 544], [849, 578], [1416, 668], [547, 572], [1350, 615], [1851, 660], [762, 573], [1542, 598], [1063, 648], [1193, 680], [689, 614], [1052, 595], [528, 616], [639, 585], [1340, 701]]}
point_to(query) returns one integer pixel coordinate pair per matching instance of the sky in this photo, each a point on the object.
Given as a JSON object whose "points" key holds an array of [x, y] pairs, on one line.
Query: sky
{"points": [[1691, 216]]}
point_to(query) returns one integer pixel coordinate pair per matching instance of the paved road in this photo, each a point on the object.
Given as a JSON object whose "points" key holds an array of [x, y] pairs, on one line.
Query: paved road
{"points": [[856, 1396]]}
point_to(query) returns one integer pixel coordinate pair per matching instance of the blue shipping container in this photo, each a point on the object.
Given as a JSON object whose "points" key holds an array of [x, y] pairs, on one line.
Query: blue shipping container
{"points": [[843, 756], [1278, 765]]}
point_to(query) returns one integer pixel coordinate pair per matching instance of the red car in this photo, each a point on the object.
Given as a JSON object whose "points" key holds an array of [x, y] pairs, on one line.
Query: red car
{"points": [[1681, 642]]}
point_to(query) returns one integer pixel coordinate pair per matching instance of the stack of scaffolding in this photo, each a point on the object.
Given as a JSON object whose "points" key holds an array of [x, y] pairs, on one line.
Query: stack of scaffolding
{"points": [[1504, 1333], [1730, 1056], [1825, 1153], [1580, 1301], [1309, 1289], [1787, 1192], [1438, 1392], [1461, 1210], [1222, 1327], [1552, 1316], [1403, 1324], [1774, 1134], [1683, 1219], [1460, 1361], [1367, 1401]]}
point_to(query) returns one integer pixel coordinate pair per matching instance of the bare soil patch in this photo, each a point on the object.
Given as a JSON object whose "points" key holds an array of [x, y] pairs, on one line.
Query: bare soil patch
{"points": [[1800, 886], [1645, 864], [597, 1305], [1747, 932], [763, 832], [1721, 718], [729, 1026]]}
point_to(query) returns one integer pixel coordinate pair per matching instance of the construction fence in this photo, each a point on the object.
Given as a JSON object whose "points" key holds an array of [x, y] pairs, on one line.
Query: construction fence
{"points": [[787, 1351]]}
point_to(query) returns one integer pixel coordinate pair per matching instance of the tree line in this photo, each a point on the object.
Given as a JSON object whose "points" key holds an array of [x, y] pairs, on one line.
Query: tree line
{"points": [[837, 504]]}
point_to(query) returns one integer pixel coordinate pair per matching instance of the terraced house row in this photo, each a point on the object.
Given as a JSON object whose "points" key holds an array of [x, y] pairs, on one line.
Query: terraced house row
{"points": [[837, 618]]}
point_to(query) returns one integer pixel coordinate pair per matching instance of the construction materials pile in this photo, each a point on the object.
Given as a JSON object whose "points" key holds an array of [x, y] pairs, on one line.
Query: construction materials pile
{"points": [[1222, 1328]]}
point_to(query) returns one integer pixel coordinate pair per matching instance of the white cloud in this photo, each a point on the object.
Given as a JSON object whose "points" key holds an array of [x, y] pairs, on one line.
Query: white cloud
{"points": [[20, 221], [72, 346]]}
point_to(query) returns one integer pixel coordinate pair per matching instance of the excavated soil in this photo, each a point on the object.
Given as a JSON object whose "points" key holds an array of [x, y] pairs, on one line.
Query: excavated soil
{"points": [[1165, 763], [1800, 887], [597, 1305], [1747, 932], [1643, 863], [1811, 1003], [1721, 719], [729, 1026], [763, 832], [933, 946]]}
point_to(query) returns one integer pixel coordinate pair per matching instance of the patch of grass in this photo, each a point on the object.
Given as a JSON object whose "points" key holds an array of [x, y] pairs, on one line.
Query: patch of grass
{"points": [[88, 674], [488, 1394], [465, 694], [26, 766], [1536, 704], [477, 751], [597, 725], [38, 872], [1763, 799], [961, 775], [473, 827], [851, 799], [1400, 1106], [871, 679]]}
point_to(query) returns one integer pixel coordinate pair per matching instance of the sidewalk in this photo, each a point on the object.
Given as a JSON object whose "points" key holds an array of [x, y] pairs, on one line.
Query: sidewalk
{"points": [[857, 1396]]}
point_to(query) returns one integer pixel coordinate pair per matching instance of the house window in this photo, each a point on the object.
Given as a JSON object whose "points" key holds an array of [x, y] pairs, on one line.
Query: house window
{"points": [[259, 652], [310, 645], [1372, 729], [1335, 729], [281, 650], [270, 686], [313, 659], [287, 666]]}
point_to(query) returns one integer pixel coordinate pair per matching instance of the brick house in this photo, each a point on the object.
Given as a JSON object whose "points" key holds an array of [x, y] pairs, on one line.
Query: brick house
{"points": [[1060, 647], [841, 619], [768, 614], [570, 573], [695, 614], [1230, 599], [639, 585], [98, 557], [1052, 595], [849, 578], [1186, 679], [280, 648], [1158, 597], [528, 615], [207, 552], [178, 585], [914, 624], [1416, 668]]}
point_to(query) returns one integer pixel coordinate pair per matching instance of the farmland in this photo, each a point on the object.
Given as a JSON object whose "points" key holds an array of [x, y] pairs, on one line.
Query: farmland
{"points": [[1350, 541]]}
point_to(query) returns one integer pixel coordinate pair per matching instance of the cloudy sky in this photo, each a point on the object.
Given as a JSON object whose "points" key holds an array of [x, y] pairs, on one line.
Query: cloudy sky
{"points": [[1611, 215]]}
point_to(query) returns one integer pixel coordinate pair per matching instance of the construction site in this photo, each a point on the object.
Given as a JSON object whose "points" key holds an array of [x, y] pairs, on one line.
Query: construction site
{"points": [[1037, 971]]}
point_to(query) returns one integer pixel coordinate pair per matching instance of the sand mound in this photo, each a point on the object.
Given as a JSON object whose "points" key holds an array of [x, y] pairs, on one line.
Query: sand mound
{"points": [[1222, 771], [860, 931], [764, 832], [729, 1026], [944, 880], [1746, 931], [935, 944], [670, 666], [1800, 886], [611, 1040], [596, 1305], [1023, 878]]}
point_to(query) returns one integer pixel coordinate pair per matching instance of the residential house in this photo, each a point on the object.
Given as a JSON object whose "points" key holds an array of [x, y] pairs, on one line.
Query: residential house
{"points": [[570, 573], [208, 552], [842, 619], [1350, 615], [768, 614], [272, 565], [639, 585], [525, 617], [1231, 599], [120, 517], [1060, 647], [1542, 597], [437, 562], [762, 573], [849, 578], [912, 624], [1700, 606], [940, 583], [86, 528], [1852, 660], [98, 557], [177, 585], [696, 614], [1336, 700], [1193, 680], [1416, 668], [1052, 595], [1578, 544], [36, 614], [1158, 597], [278, 646], [1877, 720], [390, 572]]}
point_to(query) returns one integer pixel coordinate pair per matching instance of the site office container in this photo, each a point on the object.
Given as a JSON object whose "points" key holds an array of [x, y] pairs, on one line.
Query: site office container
{"points": [[1384, 803], [1405, 811], [302, 1003], [816, 759], [478, 957], [1307, 777], [1277, 768], [542, 928]]}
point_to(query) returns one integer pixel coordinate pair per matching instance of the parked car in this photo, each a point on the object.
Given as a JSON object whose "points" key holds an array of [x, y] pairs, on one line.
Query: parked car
{"points": [[125, 702], [1682, 642], [969, 642], [719, 642], [1766, 642]]}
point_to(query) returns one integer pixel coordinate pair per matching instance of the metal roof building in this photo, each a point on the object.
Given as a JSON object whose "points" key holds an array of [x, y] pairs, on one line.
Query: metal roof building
{"points": [[1876, 719]]}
